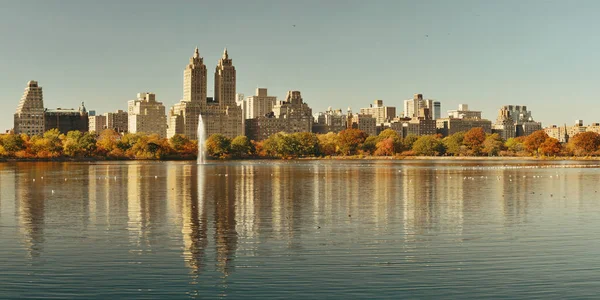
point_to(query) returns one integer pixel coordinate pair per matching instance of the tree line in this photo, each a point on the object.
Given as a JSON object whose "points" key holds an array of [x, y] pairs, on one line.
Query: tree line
{"points": [[347, 143]]}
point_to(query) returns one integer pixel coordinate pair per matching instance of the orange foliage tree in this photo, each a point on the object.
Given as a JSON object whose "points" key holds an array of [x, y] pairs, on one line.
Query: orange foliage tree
{"points": [[585, 143], [474, 139], [533, 141], [350, 139]]}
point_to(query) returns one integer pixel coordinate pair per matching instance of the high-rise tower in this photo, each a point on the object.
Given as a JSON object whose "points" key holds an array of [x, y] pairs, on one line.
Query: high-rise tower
{"points": [[225, 81], [194, 80], [29, 117]]}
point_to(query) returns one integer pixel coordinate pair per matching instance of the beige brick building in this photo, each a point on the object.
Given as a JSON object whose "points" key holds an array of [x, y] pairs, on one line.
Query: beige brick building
{"points": [[258, 105], [450, 126], [330, 121], [364, 122], [146, 115], [117, 121], [29, 117]]}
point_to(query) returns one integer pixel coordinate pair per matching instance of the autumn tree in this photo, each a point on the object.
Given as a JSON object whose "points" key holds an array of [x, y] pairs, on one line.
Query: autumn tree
{"points": [[515, 145], [217, 145], [428, 145], [585, 143], [533, 141], [409, 140], [474, 139], [386, 147], [183, 146], [77, 143], [370, 144], [550, 147], [349, 140]]}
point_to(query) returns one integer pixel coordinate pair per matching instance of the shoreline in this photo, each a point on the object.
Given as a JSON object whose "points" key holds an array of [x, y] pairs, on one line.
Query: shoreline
{"points": [[395, 158]]}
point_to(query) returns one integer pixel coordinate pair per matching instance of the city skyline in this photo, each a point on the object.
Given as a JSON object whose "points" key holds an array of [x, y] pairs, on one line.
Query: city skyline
{"points": [[492, 54]]}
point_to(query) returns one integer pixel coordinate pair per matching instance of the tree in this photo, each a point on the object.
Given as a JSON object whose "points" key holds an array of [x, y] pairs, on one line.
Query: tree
{"points": [[550, 147], [474, 139], [409, 140], [492, 145], [70, 143], [217, 145], [12, 142], [305, 144], [370, 144], [183, 146], [514, 145], [428, 145], [386, 147], [533, 141], [327, 143], [454, 144], [585, 143], [349, 140], [394, 136], [241, 147]]}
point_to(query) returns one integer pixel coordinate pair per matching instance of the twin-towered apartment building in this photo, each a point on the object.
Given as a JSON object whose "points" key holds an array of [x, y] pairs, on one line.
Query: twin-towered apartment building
{"points": [[257, 116]]}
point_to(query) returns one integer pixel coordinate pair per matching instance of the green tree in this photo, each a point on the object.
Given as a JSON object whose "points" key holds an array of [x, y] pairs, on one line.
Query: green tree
{"points": [[370, 144], [306, 144], [409, 140], [218, 146], [492, 145], [349, 140], [327, 143], [241, 147], [428, 145], [12, 142], [454, 144], [514, 145]]}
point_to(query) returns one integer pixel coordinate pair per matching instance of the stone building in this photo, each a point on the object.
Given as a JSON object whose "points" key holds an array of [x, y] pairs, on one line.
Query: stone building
{"points": [[66, 120], [413, 106], [557, 132], [290, 116], [118, 121], [514, 121], [380, 112], [221, 115], [146, 115], [29, 117], [330, 121]]}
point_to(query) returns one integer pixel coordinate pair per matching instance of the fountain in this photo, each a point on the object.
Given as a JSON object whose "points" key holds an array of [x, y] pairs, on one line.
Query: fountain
{"points": [[201, 151]]}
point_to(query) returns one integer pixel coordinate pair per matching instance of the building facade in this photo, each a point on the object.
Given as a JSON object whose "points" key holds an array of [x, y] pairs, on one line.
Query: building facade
{"points": [[258, 105], [413, 106], [146, 115], [450, 126], [364, 122], [380, 112], [97, 123], [330, 121], [117, 121], [290, 116], [29, 117], [66, 120], [463, 112]]}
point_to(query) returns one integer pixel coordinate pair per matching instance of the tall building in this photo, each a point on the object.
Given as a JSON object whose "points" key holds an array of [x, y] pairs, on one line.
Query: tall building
{"points": [[146, 115], [437, 110], [450, 126], [364, 122], [515, 121], [380, 112], [29, 117], [221, 115], [290, 116], [414, 105], [117, 121], [259, 104], [66, 120], [97, 123], [183, 116]]}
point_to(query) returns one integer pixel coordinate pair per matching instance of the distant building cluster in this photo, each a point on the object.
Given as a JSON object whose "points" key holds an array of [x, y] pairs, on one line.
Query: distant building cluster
{"points": [[261, 115]]}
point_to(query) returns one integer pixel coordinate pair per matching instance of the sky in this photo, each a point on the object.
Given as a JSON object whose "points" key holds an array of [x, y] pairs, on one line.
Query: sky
{"points": [[542, 54]]}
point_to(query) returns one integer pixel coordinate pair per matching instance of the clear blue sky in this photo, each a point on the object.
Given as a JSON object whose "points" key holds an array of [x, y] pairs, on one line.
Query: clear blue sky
{"points": [[543, 54]]}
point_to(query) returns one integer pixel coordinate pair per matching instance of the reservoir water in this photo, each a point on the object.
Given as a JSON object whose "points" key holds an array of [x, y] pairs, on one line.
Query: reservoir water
{"points": [[300, 230]]}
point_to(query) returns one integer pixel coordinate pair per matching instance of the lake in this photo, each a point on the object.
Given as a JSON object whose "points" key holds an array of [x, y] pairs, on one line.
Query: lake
{"points": [[300, 229]]}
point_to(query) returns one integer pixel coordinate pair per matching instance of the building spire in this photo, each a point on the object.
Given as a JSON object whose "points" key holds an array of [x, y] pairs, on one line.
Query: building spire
{"points": [[225, 55], [196, 53]]}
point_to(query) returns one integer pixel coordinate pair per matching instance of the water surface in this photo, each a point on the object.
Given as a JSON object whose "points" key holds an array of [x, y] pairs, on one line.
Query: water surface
{"points": [[300, 229]]}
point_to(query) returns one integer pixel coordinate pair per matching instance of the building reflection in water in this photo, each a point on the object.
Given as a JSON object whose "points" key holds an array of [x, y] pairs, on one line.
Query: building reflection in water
{"points": [[30, 205]]}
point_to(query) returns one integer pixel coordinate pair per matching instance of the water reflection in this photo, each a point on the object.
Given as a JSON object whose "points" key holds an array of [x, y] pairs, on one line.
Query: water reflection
{"points": [[213, 222]]}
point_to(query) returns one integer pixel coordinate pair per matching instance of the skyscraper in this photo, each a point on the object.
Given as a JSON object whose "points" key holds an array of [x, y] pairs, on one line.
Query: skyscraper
{"points": [[29, 117], [222, 115]]}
